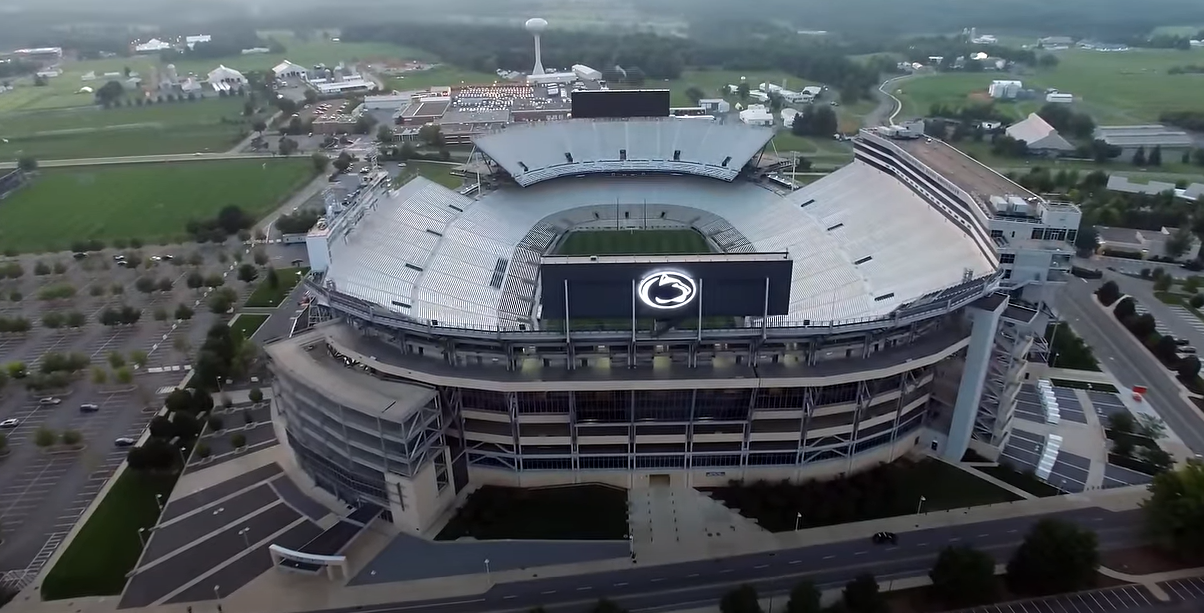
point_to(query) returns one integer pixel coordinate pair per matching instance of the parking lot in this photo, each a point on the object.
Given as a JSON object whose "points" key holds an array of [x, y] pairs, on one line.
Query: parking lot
{"points": [[1185, 590], [1129, 597], [64, 480]]}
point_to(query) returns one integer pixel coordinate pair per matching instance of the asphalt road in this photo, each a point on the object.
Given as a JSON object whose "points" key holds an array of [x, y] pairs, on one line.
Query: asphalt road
{"points": [[1131, 364], [143, 159], [692, 584]]}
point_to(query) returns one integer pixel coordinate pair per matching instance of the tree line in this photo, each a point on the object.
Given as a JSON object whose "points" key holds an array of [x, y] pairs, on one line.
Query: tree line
{"points": [[654, 57]]}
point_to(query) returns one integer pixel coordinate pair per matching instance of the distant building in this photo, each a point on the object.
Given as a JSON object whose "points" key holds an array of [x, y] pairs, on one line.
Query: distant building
{"points": [[1040, 137], [788, 116], [1059, 98], [1129, 139], [1055, 41], [1147, 243], [226, 79], [192, 41], [1118, 183], [255, 51], [289, 70], [715, 105], [756, 115], [1005, 90], [153, 45], [585, 73]]}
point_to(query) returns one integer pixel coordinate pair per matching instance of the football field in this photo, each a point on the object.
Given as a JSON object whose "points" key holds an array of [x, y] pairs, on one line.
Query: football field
{"points": [[631, 242]]}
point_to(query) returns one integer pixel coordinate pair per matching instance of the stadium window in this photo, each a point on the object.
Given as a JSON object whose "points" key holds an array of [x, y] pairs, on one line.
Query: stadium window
{"points": [[568, 156], [996, 233], [677, 155], [1038, 233], [1007, 258], [662, 214], [1007, 274], [622, 155], [626, 214]]}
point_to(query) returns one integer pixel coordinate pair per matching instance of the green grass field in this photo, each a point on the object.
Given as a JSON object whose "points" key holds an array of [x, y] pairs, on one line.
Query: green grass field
{"points": [[1115, 88], [107, 547], [267, 296], [439, 173], [152, 202], [245, 324], [440, 75], [628, 242], [213, 124]]}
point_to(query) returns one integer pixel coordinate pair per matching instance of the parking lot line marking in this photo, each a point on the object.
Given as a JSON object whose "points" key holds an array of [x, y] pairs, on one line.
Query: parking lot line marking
{"points": [[829, 557]]}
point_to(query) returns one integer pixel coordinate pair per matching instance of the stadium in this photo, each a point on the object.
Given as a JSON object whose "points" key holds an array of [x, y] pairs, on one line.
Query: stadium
{"points": [[647, 300]]}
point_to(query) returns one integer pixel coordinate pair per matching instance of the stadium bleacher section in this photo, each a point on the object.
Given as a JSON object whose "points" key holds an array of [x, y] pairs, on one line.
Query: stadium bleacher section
{"points": [[537, 152], [862, 243]]}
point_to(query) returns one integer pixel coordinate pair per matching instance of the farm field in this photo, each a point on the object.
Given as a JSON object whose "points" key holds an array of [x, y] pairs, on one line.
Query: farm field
{"points": [[306, 53], [212, 124], [1115, 88], [1172, 170], [439, 75], [152, 202]]}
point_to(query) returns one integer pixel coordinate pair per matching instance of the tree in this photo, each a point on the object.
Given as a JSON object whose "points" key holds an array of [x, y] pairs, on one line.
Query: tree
{"points": [[260, 257], [384, 134], [1174, 511], [1108, 293], [963, 577], [184, 312], [1196, 301], [1155, 157], [145, 285], [861, 595], [743, 90], [44, 437], [1139, 157], [431, 134], [155, 454], [27, 163], [1056, 556], [343, 162], [804, 598], [1180, 242], [116, 360], [694, 94], [311, 96], [1087, 239], [164, 285], [255, 395], [1163, 283], [247, 273], [110, 92], [259, 126], [239, 440], [71, 438], [1188, 368], [1125, 309], [123, 375], [99, 375], [288, 146], [740, 600], [138, 358], [194, 280], [320, 162]]}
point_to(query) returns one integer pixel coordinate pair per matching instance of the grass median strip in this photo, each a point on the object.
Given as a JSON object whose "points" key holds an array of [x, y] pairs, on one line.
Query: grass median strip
{"points": [[247, 323], [267, 295], [107, 547]]}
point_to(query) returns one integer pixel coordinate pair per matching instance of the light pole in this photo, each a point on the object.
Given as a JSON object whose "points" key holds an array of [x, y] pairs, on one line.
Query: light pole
{"points": [[488, 576], [798, 519], [142, 537], [183, 457], [245, 539], [217, 595], [920, 506], [631, 545], [159, 501]]}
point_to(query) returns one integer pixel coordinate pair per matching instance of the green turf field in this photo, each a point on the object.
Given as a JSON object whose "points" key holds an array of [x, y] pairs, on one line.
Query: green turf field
{"points": [[211, 125], [1115, 88], [629, 242], [152, 202]]}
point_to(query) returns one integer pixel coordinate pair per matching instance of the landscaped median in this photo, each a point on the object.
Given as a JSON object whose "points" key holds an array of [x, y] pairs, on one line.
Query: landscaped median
{"points": [[108, 545], [246, 324], [277, 285]]}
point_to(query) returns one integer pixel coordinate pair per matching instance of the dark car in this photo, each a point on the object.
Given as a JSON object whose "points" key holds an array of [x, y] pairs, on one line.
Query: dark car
{"points": [[79, 255], [886, 538]]}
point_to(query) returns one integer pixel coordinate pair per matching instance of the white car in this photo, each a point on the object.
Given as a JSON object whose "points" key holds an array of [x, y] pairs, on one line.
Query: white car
{"points": [[49, 400], [9, 423], [124, 442]]}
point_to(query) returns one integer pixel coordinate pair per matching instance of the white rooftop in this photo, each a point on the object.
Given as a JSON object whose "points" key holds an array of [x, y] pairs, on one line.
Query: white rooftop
{"points": [[1038, 134], [862, 242], [539, 151]]}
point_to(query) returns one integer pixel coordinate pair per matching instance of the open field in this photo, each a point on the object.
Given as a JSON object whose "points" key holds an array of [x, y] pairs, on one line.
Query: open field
{"points": [[307, 53], [268, 296], [439, 75], [1171, 170], [246, 324], [83, 570], [626, 242], [1116, 88], [439, 173], [212, 124], [152, 202]]}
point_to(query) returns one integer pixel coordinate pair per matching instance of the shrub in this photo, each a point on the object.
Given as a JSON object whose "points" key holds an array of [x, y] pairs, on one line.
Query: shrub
{"points": [[215, 423], [238, 440], [203, 451], [72, 438]]}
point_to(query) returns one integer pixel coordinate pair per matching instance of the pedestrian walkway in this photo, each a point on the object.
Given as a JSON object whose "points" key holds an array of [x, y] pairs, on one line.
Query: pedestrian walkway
{"points": [[1189, 317], [667, 521]]}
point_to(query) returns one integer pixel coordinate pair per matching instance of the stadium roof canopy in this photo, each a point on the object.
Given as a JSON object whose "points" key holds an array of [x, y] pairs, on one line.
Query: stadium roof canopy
{"points": [[863, 244], [540, 151]]}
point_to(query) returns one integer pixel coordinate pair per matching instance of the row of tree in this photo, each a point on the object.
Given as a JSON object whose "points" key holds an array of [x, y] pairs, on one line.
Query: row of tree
{"points": [[1145, 328]]}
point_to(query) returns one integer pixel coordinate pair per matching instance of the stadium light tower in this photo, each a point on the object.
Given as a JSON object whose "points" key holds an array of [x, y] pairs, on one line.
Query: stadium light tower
{"points": [[536, 26]]}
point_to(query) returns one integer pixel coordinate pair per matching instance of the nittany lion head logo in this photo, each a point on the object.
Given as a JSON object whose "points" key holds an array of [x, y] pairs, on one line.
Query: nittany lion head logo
{"points": [[666, 289]]}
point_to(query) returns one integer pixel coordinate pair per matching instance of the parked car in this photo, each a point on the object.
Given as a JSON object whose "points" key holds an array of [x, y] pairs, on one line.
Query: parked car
{"points": [[89, 407], [124, 442], [49, 400], [79, 255], [1181, 341], [1188, 350], [882, 538], [118, 258], [9, 423]]}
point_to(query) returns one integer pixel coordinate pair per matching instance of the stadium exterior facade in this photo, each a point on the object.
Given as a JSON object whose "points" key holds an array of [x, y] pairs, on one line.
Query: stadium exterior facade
{"points": [[402, 396]]}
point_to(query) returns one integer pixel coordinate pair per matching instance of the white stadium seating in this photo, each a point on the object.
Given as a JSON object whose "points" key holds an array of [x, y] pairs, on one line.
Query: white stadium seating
{"points": [[537, 152], [862, 243]]}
